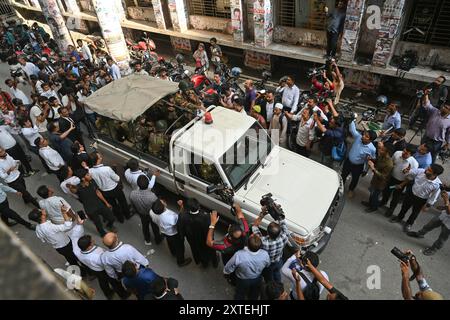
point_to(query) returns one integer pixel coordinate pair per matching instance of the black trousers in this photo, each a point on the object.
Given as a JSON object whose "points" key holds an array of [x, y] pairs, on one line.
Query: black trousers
{"points": [[146, 222], [118, 288], [396, 194], [8, 213], [411, 201], [117, 199], [176, 247], [96, 216], [248, 289], [104, 282], [67, 252], [355, 170], [17, 153], [58, 174], [19, 185], [332, 39], [302, 151]]}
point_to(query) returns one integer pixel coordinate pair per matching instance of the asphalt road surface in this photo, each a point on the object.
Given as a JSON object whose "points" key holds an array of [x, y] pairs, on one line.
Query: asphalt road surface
{"points": [[359, 248]]}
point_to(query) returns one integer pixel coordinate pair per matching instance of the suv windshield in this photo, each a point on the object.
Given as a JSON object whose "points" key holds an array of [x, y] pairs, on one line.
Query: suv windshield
{"points": [[246, 155]]}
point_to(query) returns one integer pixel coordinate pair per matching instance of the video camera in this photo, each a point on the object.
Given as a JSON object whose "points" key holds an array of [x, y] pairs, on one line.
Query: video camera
{"points": [[401, 255], [421, 93], [314, 72], [273, 208]]}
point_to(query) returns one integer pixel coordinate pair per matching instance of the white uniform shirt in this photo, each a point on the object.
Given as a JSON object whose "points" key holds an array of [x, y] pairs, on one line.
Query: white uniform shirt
{"points": [[52, 206], [113, 259], [30, 69], [54, 234], [91, 258], [132, 177], [423, 187], [167, 222], [35, 112], [52, 158], [290, 97], [31, 134], [7, 141], [104, 177], [5, 165], [400, 164], [73, 181]]}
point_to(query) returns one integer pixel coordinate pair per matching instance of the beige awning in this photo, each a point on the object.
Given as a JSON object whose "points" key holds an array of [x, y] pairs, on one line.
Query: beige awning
{"points": [[129, 97]]}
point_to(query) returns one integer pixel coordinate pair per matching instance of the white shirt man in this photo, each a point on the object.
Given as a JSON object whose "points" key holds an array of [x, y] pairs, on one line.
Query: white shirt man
{"points": [[104, 177], [278, 128], [35, 112], [305, 131], [423, 187], [91, 258], [86, 52], [401, 164], [113, 259], [7, 141], [54, 234], [74, 181], [288, 274], [30, 69], [5, 165], [19, 94], [115, 71], [290, 98], [132, 177], [31, 134], [52, 205], [38, 86], [167, 222], [51, 93], [52, 158]]}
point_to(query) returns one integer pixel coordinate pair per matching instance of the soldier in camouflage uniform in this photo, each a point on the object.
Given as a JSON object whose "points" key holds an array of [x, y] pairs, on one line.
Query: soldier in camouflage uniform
{"points": [[208, 172], [142, 131], [157, 141], [120, 131]]}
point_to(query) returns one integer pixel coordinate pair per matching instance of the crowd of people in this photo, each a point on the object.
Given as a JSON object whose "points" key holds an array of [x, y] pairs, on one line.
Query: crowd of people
{"points": [[51, 124]]}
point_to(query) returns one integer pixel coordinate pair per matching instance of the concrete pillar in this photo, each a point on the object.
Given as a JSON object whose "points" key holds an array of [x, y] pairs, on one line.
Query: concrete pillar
{"points": [[353, 19], [159, 14], [56, 22], [179, 15], [237, 22], [72, 7], [262, 13], [389, 34], [109, 22], [119, 7], [35, 3]]}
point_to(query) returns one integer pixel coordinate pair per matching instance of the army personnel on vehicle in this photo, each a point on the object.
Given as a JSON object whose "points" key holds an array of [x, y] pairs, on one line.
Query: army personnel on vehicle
{"points": [[157, 141]]}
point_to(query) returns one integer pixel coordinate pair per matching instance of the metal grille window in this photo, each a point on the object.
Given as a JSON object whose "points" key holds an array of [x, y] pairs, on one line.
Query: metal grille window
{"points": [[307, 14], [5, 8], [210, 8], [429, 23]]}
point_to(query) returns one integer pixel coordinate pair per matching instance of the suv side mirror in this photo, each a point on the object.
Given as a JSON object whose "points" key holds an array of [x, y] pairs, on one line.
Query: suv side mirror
{"points": [[211, 188]]}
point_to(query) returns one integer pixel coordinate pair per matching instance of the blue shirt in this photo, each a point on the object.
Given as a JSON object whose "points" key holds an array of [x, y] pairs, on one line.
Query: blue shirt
{"points": [[3, 189], [359, 151], [394, 120], [424, 160], [247, 264], [141, 283]]}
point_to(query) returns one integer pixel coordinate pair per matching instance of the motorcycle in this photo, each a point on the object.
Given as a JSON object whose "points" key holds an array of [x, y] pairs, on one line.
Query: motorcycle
{"points": [[200, 79], [261, 84]]}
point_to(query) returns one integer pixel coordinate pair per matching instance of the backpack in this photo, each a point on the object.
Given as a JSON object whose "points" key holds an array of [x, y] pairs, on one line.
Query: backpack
{"points": [[338, 152], [312, 290]]}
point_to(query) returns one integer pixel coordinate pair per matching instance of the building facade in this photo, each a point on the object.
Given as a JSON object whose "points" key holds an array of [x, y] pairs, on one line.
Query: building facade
{"points": [[376, 32]]}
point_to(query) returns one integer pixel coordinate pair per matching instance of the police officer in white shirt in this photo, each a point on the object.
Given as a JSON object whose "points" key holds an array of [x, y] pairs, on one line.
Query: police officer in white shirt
{"points": [[52, 204], [89, 254], [167, 220], [16, 92], [424, 193], [51, 157], [109, 183], [10, 145], [30, 133], [117, 253], [9, 172], [442, 221], [56, 234], [133, 172]]}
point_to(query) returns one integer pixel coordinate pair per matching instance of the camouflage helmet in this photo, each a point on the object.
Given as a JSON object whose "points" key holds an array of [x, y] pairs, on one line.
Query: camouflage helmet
{"points": [[185, 85], [161, 125]]}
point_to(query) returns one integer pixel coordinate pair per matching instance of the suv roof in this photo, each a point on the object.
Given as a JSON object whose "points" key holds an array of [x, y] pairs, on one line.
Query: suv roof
{"points": [[213, 140]]}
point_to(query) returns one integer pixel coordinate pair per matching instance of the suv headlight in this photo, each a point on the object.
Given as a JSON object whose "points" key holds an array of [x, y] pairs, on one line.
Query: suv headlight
{"points": [[314, 236]]}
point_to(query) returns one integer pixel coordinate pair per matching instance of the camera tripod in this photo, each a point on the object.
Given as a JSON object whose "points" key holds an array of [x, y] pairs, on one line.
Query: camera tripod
{"points": [[416, 117]]}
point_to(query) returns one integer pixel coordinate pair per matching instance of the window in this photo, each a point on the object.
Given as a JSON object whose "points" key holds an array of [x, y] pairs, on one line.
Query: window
{"points": [[210, 8], [428, 23], [204, 170], [307, 14]]}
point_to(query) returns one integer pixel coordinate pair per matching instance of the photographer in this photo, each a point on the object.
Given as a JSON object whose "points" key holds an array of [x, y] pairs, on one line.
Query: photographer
{"points": [[335, 27], [442, 221], [425, 293], [437, 131], [439, 93], [325, 88], [234, 240], [273, 243], [309, 285]]}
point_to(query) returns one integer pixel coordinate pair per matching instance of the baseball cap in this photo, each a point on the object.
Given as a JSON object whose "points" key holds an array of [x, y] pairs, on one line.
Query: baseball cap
{"points": [[257, 108], [43, 59]]}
